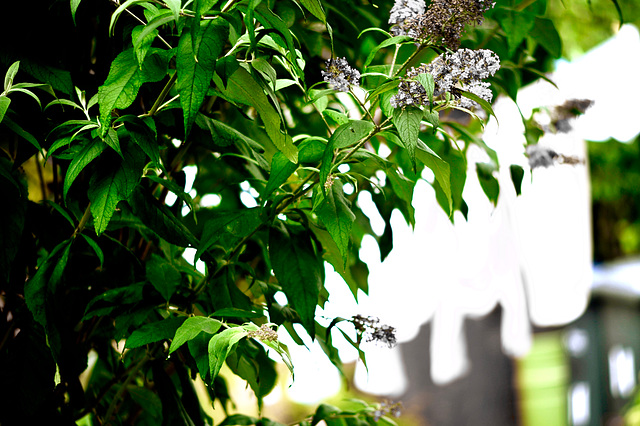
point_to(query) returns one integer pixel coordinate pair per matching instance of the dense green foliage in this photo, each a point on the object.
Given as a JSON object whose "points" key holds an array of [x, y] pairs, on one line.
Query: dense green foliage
{"points": [[102, 114]]}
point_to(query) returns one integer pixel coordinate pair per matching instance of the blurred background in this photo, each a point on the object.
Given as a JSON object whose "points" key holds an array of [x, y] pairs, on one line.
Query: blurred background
{"points": [[527, 312]]}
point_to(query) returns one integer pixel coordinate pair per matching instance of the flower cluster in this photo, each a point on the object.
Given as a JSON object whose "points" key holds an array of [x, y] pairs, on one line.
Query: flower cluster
{"points": [[340, 75], [265, 333], [403, 10], [443, 22], [388, 407], [373, 331], [462, 70]]}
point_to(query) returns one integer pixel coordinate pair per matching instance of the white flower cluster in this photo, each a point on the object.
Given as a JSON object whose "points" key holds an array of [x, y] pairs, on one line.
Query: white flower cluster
{"points": [[340, 75], [462, 70], [403, 10]]}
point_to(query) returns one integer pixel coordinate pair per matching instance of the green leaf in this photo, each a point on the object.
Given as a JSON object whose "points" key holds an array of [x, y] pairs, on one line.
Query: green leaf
{"points": [[324, 412], [517, 174], [242, 88], [516, 25], [428, 83], [143, 133], [334, 211], [22, 133], [233, 225], [545, 33], [388, 42], [74, 7], [191, 328], [337, 117], [36, 290], [163, 276], [125, 79], [176, 189], [158, 20], [281, 169], [346, 135], [159, 219], [315, 7], [221, 345], [116, 14], [174, 5], [236, 313], [488, 181], [112, 139], [141, 45], [87, 154], [10, 75], [407, 121], [4, 105], [96, 248], [483, 103], [150, 333], [403, 188], [110, 186], [239, 420], [440, 169], [300, 272], [196, 63]]}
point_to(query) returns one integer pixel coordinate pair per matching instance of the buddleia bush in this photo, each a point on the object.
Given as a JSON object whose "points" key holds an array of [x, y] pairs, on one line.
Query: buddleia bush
{"points": [[282, 112]]}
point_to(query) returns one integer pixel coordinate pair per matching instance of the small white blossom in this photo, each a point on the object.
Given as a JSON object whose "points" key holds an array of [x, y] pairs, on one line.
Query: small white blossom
{"points": [[340, 75]]}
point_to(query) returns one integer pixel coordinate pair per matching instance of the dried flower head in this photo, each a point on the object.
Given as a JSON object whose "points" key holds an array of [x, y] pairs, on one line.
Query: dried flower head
{"points": [[462, 70], [403, 10], [444, 21], [265, 333], [542, 156], [340, 75], [373, 331], [388, 407]]}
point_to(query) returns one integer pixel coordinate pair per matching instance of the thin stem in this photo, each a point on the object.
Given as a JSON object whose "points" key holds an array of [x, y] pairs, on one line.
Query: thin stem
{"points": [[123, 389], [393, 63], [228, 6], [163, 94], [144, 23], [361, 105], [410, 59]]}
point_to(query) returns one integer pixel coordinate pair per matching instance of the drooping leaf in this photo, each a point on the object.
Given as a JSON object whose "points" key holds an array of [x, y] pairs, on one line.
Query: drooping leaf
{"points": [[5, 101], [403, 188], [488, 181], [335, 213], [440, 169], [346, 135], [281, 169], [74, 7], [96, 248], [154, 332], [88, 153], [191, 327], [517, 174], [299, 271], [125, 79], [242, 88], [196, 63], [221, 345], [111, 185], [164, 276], [143, 133], [324, 412], [315, 7], [516, 25], [159, 219], [18, 130], [545, 33], [407, 122], [233, 226]]}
